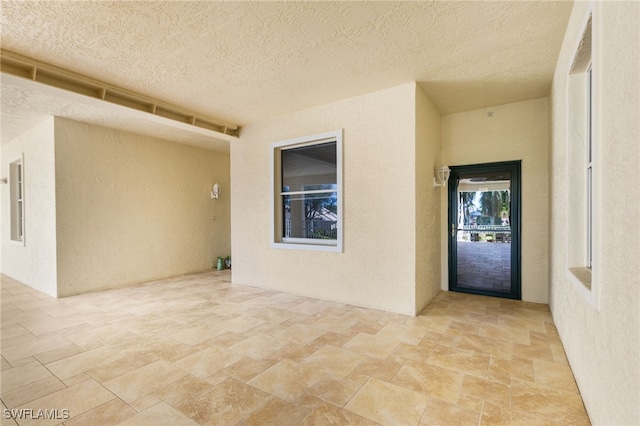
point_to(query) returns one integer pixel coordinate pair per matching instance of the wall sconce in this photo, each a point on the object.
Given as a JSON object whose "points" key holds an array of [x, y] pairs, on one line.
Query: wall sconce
{"points": [[442, 176], [215, 192]]}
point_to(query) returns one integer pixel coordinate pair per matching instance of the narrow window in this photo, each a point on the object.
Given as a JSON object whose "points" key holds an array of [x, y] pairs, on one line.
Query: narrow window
{"points": [[589, 133], [307, 192], [16, 177], [582, 168]]}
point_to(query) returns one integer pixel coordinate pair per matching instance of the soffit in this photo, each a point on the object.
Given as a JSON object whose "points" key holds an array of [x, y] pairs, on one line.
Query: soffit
{"points": [[246, 62]]}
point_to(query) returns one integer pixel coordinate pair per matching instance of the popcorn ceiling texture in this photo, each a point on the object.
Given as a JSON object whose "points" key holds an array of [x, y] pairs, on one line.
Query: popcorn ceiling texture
{"points": [[249, 61]]}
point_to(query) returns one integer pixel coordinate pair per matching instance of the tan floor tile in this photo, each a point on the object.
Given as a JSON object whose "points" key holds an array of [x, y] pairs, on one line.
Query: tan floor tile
{"points": [[442, 413], [32, 348], [335, 361], [15, 330], [276, 412], [159, 414], [109, 413], [307, 308], [335, 323], [287, 380], [115, 369], [49, 324], [384, 370], [485, 389], [486, 345], [503, 370], [247, 368], [374, 346], [388, 404], [82, 362], [301, 357], [223, 340], [544, 338], [272, 315], [541, 352], [293, 352], [409, 335], [18, 340], [4, 364], [554, 375], [240, 324], [31, 391], [523, 323], [58, 354], [145, 402], [17, 377], [144, 380], [335, 391], [182, 390], [430, 380], [259, 346], [327, 414], [420, 352], [551, 403], [364, 327], [208, 361], [443, 339], [332, 338], [499, 415], [227, 403], [76, 399], [74, 380], [198, 334], [460, 360], [298, 333], [308, 402]]}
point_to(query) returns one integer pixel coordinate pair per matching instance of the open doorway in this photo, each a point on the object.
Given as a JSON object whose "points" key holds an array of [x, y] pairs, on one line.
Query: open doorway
{"points": [[484, 224]]}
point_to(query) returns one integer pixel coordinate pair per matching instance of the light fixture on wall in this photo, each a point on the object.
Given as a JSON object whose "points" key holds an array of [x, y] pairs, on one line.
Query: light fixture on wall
{"points": [[215, 192], [442, 176]]}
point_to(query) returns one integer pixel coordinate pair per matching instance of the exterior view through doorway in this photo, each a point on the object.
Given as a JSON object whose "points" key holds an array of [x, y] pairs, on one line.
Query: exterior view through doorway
{"points": [[484, 229]]}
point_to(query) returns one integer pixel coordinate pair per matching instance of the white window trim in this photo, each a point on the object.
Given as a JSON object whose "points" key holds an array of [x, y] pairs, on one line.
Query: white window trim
{"points": [[303, 243], [12, 218], [576, 275]]}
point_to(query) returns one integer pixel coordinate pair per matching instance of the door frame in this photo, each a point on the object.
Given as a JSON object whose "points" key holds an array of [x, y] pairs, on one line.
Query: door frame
{"points": [[515, 220]]}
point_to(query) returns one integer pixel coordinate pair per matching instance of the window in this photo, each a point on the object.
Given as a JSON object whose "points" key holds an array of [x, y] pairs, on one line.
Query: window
{"points": [[16, 177], [589, 132], [582, 202], [307, 198]]}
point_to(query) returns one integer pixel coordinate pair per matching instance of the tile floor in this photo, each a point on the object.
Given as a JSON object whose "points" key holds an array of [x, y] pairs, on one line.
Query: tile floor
{"points": [[200, 350], [484, 266]]}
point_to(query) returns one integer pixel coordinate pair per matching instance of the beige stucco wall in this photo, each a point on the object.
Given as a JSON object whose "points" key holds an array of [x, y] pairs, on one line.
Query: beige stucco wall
{"points": [[133, 208], [517, 131], [427, 159], [377, 266], [33, 263], [602, 342]]}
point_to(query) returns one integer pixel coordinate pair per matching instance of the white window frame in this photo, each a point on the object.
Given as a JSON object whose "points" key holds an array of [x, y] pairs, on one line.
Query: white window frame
{"points": [[585, 277], [16, 200], [277, 239]]}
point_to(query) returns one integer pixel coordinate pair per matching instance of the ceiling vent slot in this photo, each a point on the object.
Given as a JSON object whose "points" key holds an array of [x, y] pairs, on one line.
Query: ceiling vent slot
{"points": [[20, 66], [128, 101], [65, 82], [17, 68]]}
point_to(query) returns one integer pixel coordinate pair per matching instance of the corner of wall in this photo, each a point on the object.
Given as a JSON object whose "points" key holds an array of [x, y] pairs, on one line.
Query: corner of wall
{"points": [[428, 141]]}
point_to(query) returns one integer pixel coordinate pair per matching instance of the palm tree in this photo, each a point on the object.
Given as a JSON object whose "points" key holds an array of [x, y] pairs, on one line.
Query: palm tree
{"points": [[466, 203], [491, 206]]}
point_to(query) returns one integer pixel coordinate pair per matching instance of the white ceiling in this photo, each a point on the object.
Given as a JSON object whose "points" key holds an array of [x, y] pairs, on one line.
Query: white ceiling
{"points": [[245, 62]]}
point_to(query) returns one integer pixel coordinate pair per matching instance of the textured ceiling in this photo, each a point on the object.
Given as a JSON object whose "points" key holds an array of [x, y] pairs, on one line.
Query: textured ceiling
{"points": [[248, 61]]}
